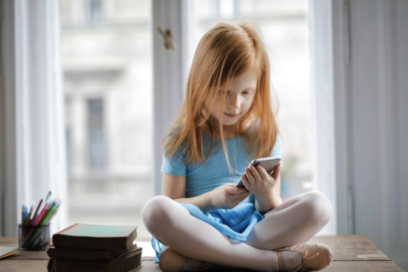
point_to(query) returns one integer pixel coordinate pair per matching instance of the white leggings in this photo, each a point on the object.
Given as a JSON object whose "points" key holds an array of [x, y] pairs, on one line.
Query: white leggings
{"points": [[293, 222]]}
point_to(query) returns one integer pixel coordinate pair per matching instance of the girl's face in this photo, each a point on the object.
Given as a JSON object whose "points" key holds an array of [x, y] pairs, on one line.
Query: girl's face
{"points": [[239, 98]]}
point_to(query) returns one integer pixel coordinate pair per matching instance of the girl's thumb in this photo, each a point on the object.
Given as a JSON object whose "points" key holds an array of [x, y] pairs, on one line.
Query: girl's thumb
{"points": [[233, 190], [276, 172]]}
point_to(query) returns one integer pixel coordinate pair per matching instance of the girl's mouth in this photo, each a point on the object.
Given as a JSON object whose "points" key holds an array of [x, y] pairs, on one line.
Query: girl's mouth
{"points": [[231, 115]]}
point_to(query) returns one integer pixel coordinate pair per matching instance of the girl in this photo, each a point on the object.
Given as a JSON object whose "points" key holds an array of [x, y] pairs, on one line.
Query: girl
{"points": [[226, 120]]}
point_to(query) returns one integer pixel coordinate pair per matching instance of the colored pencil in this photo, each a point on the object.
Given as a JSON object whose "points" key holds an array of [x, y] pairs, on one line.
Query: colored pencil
{"points": [[29, 216], [36, 212], [45, 220], [39, 218], [22, 214], [43, 212]]}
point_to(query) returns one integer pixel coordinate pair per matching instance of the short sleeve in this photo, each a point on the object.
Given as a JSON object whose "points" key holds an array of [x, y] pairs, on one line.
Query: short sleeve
{"points": [[175, 165], [277, 148]]}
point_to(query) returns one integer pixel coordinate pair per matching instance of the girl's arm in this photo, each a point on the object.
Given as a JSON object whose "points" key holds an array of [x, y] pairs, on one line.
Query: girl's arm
{"points": [[174, 187]]}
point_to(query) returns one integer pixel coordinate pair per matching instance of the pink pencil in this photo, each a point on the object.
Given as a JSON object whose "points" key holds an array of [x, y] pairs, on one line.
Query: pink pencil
{"points": [[35, 214], [43, 213]]}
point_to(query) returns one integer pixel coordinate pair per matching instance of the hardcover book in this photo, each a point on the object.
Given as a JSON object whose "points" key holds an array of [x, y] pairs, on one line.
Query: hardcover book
{"points": [[85, 254], [95, 237], [125, 262]]}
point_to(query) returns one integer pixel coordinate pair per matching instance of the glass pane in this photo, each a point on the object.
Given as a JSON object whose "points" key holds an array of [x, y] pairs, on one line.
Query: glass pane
{"points": [[285, 32], [107, 62], [96, 132]]}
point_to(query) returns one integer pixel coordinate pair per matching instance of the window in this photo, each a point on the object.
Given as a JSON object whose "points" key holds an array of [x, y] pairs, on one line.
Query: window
{"points": [[96, 137], [285, 32], [108, 86], [108, 90], [93, 10], [83, 64], [68, 134]]}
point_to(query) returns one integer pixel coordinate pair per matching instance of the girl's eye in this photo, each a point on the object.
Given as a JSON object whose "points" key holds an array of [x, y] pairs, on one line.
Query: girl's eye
{"points": [[245, 93]]}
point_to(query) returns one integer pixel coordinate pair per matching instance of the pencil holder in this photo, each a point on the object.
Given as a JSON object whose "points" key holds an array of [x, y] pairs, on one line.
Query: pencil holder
{"points": [[33, 237]]}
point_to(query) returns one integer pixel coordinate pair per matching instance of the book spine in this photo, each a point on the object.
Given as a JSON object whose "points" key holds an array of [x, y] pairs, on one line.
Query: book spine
{"points": [[61, 241]]}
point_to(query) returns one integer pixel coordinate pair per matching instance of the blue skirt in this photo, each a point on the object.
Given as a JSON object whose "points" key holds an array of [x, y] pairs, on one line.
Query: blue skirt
{"points": [[235, 223]]}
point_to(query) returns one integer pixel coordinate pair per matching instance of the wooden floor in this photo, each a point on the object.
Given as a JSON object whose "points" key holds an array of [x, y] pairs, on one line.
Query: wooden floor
{"points": [[351, 253]]}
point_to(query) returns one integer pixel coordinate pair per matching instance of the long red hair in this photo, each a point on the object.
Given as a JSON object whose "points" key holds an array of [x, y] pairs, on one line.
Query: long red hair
{"points": [[226, 51]]}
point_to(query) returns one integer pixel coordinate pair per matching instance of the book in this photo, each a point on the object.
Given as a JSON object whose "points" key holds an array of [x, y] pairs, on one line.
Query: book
{"points": [[85, 254], [6, 251], [95, 237], [125, 262]]}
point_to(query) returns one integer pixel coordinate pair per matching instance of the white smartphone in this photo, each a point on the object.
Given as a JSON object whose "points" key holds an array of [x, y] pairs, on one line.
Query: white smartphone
{"points": [[268, 163]]}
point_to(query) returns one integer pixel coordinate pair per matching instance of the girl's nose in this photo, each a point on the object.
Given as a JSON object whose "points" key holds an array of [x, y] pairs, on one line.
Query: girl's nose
{"points": [[234, 102]]}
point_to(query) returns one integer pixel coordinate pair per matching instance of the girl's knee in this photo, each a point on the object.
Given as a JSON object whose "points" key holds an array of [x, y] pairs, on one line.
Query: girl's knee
{"points": [[155, 214], [319, 207]]}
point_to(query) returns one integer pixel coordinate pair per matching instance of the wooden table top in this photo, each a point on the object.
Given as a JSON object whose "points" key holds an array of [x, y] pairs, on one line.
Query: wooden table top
{"points": [[351, 253]]}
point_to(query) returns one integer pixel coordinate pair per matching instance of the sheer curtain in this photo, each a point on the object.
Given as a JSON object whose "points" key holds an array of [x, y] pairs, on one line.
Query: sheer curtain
{"points": [[32, 154]]}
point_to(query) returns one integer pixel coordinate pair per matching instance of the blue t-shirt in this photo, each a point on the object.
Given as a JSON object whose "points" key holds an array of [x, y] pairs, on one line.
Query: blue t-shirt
{"points": [[202, 178]]}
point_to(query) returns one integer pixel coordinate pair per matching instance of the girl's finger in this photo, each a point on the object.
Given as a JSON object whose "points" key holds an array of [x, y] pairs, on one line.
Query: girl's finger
{"points": [[245, 181], [249, 176], [262, 172], [242, 195], [278, 165], [255, 173], [236, 190]]}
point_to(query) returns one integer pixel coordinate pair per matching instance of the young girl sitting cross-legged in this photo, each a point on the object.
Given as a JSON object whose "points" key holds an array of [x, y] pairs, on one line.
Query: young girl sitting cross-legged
{"points": [[226, 120]]}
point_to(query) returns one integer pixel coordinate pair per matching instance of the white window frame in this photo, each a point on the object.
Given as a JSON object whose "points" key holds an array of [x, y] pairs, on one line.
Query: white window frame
{"points": [[170, 70]]}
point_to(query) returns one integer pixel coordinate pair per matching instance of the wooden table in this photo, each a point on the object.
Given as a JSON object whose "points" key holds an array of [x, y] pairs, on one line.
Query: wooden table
{"points": [[351, 253]]}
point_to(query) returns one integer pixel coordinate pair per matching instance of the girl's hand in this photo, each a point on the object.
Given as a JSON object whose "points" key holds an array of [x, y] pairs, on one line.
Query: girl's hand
{"points": [[259, 182], [227, 196]]}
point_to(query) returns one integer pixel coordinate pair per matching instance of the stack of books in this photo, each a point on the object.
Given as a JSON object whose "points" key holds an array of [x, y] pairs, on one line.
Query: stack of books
{"points": [[85, 247]]}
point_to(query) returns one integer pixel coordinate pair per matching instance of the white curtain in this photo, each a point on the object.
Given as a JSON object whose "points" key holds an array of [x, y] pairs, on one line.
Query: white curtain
{"points": [[32, 157]]}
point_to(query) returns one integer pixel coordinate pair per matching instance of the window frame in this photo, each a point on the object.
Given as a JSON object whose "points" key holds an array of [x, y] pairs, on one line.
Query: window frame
{"points": [[168, 82]]}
